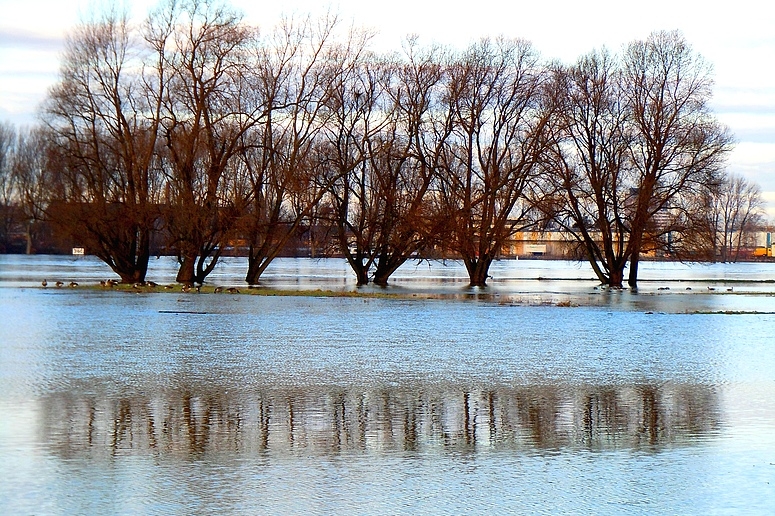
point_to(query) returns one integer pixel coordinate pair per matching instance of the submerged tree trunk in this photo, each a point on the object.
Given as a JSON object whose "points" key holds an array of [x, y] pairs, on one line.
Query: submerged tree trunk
{"points": [[255, 269], [142, 256], [478, 270], [362, 276], [136, 276], [128, 258], [632, 281], [267, 243], [616, 277], [259, 259], [387, 264], [137, 273], [194, 264], [599, 272], [360, 269]]}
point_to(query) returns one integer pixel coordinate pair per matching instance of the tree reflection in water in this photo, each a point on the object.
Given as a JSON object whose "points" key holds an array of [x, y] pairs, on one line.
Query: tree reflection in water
{"points": [[329, 420]]}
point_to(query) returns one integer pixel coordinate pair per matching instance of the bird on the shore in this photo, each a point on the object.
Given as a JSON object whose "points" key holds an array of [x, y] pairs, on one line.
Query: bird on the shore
{"points": [[73, 284], [59, 284], [711, 289], [218, 290], [44, 283], [232, 290]]}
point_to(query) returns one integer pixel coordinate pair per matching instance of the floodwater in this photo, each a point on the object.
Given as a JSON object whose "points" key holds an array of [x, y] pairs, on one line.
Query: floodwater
{"points": [[655, 402]]}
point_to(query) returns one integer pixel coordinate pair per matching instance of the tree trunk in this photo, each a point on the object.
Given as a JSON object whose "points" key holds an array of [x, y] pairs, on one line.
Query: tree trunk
{"points": [[478, 270], [632, 280], [386, 266], [130, 264], [133, 276], [203, 269], [254, 271], [361, 274], [186, 271], [28, 235], [143, 256], [616, 277], [381, 279]]}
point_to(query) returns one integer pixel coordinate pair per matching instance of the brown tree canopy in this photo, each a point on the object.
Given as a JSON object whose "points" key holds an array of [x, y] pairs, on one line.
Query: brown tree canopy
{"points": [[386, 144], [632, 134], [495, 93], [104, 134]]}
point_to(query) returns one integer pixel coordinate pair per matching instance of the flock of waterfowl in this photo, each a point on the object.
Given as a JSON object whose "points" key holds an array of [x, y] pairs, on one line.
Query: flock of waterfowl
{"points": [[148, 285], [190, 287], [59, 284], [710, 289]]}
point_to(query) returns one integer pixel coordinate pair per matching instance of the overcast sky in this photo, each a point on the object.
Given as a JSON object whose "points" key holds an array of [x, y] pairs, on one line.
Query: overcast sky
{"points": [[738, 38]]}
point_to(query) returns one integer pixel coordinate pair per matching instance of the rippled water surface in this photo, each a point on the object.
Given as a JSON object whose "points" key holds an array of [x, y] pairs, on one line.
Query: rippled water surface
{"points": [[659, 402]]}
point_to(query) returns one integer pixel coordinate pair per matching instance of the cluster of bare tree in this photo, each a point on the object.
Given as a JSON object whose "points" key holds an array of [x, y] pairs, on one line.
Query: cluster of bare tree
{"points": [[24, 183], [197, 126], [723, 219], [635, 142]]}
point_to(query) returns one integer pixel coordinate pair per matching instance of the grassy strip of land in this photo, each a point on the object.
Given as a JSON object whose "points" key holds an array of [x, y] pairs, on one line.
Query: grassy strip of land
{"points": [[494, 297], [525, 299], [260, 291]]}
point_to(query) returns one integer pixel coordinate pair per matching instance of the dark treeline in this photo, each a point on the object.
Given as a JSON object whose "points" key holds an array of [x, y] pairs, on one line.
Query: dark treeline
{"points": [[195, 128]]}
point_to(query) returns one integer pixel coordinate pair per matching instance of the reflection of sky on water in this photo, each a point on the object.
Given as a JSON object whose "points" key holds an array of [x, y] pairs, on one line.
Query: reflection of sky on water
{"points": [[72, 334], [114, 402]]}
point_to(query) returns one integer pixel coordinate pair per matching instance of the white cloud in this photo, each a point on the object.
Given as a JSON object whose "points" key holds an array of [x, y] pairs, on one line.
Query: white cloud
{"points": [[748, 153]]}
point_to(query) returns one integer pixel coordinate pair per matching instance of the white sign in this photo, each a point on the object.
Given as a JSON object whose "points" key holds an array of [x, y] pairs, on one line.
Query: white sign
{"points": [[535, 248]]}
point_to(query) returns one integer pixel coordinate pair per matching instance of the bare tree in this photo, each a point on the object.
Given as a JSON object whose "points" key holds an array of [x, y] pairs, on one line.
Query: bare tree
{"points": [[721, 220], [405, 162], [679, 143], [358, 113], [204, 59], [632, 137], [590, 184], [8, 140], [105, 136], [298, 68], [32, 173], [495, 92], [386, 145], [742, 210]]}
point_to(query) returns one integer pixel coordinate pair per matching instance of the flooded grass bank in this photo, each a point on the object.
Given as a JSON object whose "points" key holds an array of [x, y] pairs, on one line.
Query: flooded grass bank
{"points": [[707, 300]]}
